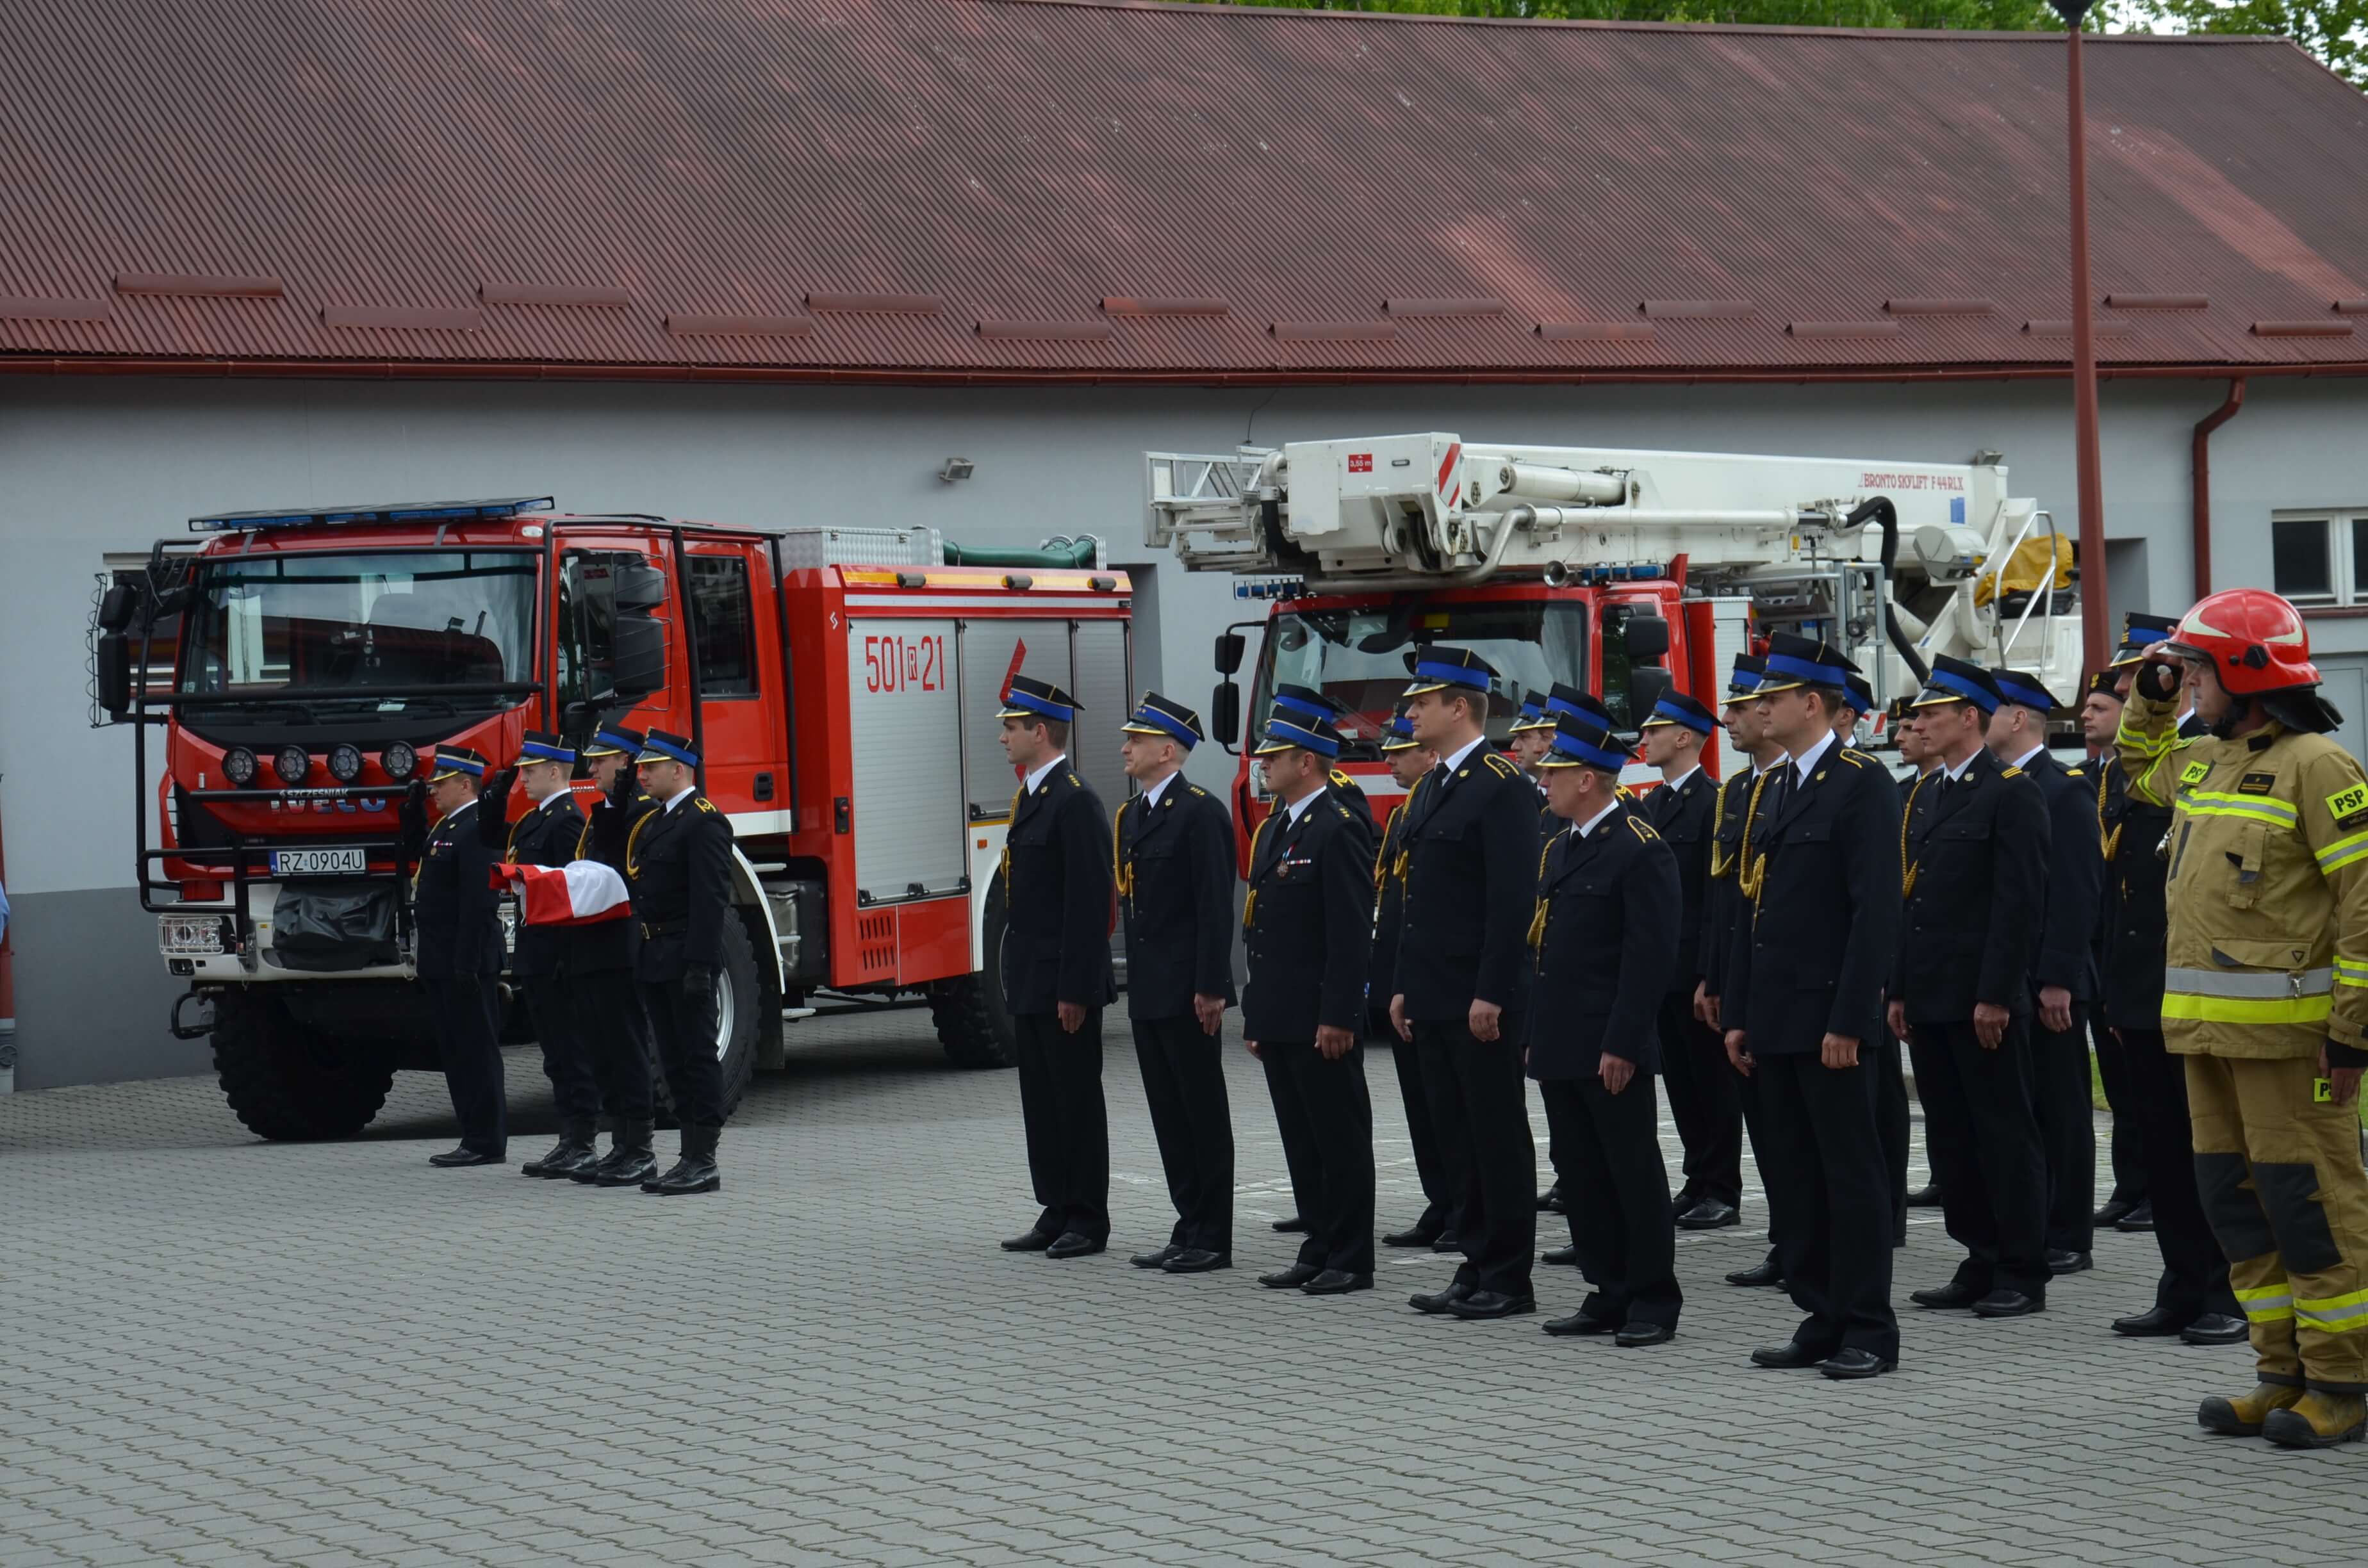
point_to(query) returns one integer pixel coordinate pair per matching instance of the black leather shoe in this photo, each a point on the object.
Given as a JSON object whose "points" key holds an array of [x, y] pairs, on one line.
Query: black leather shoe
{"points": [[2138, 1219], [1197, 1260], [2003, 1303], [1438, 1302], [1925, 1197], [1034, 1241], [1492, 1304], [1763, 1273], [1294, 1226], [571, 1154], [2112, 1211], [1076, 1243], [1849, 1363], [1337, 1282], [2155, 1323], [1638, 1336], [2216, 1328], [1447, 1242], [1710, 1214], [1787, 1355], [1153, 1259], [628, 1162], [1289, 1278], [2064, 1261], [695, 1171], [1412, 1236], [1560, 1257], [1551, 1200], [464, 1157], [1579, 1323], [1952, 1296]]}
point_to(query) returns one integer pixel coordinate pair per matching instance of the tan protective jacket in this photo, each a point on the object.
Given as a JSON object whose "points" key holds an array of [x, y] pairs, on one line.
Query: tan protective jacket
{"points": [[2268, 951]]}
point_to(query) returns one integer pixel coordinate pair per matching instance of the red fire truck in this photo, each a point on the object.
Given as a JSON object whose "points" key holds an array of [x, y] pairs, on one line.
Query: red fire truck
{"points": [[840, 684]]}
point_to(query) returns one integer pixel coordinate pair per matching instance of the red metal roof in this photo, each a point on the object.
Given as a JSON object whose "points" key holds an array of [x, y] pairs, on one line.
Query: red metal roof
{"points": [[1000, 188]]}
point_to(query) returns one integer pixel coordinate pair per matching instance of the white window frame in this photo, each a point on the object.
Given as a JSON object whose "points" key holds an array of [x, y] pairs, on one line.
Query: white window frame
{"points": [[2342, 562]]}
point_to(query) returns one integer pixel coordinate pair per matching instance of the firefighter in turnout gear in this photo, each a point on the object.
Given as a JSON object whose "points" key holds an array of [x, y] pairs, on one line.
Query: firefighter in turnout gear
{"points": [[2265, 993], [679, 864], [460, 954], [600, 962], [546, 836]]}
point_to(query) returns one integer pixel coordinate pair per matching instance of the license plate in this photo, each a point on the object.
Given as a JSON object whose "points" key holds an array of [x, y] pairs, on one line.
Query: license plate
{"points": [[185, 935], [319, 862]]}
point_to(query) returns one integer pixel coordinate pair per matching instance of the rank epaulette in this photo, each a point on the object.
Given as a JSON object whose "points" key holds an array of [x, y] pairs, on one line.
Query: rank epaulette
{"points": [[1341, 779], [1502, 766], [2010, 772], [702, 802], [1196, 790], [1346, 814], [1076, 782], [1643, 830], [2076, 772], [1855, 758]]}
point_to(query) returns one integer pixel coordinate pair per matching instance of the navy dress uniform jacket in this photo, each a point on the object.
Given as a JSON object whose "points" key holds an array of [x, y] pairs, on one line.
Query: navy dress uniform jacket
{"points": [[679, 864], [2137, 916], [1306, 924], [1353, 794], [2073, 873], [1389, 910], [453, 901], [1175, 879], [1809, 957], [546, 835], [1979, 851], [1723, 903], [609, 946], [1058, 885], [1610, 907], [1681, 816], [1472, 866]]}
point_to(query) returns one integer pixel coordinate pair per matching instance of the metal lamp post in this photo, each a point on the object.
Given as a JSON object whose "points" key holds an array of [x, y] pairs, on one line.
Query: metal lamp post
{"points": [[2096, 626]]}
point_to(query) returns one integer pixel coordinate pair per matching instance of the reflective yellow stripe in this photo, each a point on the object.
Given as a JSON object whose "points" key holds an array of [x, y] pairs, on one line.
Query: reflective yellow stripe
{"points": [[2267, 1303], [2237, 1011], [2334, 1314], [2347, 972], [2140, 740], [2261, 808], [2344, 852]]}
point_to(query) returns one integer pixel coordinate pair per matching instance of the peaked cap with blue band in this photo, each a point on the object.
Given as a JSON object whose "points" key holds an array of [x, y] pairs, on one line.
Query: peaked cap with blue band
{"points": [[614, 739], [1580, 742], [2141, 632], [1032, 699], [456, 762], [1861, 695], [1564, 698], [1399, 736], [539, 747], [1679, 709], [1286, 729], [1155, 715], [1955, 680], [1742, 681], [2024, 690], [659, 746], [1795, 662], [1309, 703], [1439, 668], [1533, 716]]}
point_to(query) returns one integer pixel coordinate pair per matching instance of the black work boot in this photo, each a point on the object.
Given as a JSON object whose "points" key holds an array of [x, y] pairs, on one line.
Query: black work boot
{"points": [[573, 1153], [629, 1161], [695, 1172]]}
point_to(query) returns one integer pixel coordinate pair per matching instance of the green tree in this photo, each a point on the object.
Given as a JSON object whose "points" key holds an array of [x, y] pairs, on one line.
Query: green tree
{"points": [[2334, 30]]}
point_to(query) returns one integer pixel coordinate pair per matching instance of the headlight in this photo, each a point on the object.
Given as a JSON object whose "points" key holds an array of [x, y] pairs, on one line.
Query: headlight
{"points": [[293, 764], [399, 760], [238, 767], [345, 762]]}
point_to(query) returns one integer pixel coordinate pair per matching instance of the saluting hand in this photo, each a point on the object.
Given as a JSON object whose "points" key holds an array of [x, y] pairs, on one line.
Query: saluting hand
{"points": [[1212, 1012], [1615, 1071], [1333, 1044], [1736, 1054], [1989, 1023]]}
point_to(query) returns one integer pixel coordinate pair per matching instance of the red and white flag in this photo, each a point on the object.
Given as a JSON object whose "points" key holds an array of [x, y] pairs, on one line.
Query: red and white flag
{"points": [[578, 894]]}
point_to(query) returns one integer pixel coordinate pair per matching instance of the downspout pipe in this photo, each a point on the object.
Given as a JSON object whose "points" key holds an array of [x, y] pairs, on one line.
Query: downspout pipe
{"points": [[2201, 511]]}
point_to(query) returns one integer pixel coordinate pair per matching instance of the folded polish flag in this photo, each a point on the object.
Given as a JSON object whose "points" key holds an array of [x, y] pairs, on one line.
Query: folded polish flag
{"points": [[578, 894]]}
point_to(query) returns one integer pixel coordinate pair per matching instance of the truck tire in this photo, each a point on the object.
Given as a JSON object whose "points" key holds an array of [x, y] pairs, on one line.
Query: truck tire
{"points": [[973, 1025], [291, 1084], [739, 993]]}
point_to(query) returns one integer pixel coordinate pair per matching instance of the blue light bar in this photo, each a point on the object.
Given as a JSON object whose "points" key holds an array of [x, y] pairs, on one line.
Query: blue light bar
{"points": [[390, 512], [1283, 589]]}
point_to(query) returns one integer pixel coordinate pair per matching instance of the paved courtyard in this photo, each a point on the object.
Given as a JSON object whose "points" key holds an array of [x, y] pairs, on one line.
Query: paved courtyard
{"points": [[221, 1351]]}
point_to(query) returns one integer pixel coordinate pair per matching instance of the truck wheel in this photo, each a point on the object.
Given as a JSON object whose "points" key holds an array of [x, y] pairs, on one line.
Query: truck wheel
{"points": [[739, 994], [291, 1084], [973, 1025]]}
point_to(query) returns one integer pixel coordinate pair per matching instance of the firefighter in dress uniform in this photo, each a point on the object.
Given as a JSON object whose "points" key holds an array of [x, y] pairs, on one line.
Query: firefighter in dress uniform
{"points": [[1533, 737], [601, 961], [546, 836], [2265, 993], [1462, 980], [1802, 994], [679, 864], [1974, 850], [1059, 883], [1308, 934], [459, 926], [1909, 742], [1409, 760], [1891, 1118], [2101, 720], [1310, 703], [1174, 850], [1605, 937]]}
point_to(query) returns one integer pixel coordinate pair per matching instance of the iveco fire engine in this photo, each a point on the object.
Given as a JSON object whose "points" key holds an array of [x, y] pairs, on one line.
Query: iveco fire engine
{"points": [[840, 684], [1621, 573]]}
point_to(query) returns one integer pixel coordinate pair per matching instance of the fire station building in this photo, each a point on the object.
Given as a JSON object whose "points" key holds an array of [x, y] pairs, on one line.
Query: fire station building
{"points": [[960, 263]]}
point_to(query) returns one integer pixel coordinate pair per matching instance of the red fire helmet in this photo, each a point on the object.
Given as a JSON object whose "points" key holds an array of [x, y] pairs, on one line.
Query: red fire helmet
{"points": [[2254, 639]]}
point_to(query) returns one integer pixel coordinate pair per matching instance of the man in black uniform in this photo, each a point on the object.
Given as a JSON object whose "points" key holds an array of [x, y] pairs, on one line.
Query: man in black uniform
{"points": [[2192, 1299], [1703, 1099], [1606, 937], [1529, 740], [1175, 867], [2062, 969], [1307, 702], [601, 965], [1803, 995], [1909, 739], [1974, 882], [2101, 720], [1409, 760], [459, 953], [1058, 886], [546, 836], [679, 864], [1891, 1118], [1309, 936], [1463, 976]]}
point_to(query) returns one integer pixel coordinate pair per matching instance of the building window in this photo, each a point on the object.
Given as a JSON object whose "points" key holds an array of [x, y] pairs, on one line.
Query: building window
{"points": [[2320, 559], [725, 620]]}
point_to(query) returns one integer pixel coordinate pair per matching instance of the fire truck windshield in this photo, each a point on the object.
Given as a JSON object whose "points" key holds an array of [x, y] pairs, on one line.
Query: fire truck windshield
{"points": [[1362, 657], [323, 624]]}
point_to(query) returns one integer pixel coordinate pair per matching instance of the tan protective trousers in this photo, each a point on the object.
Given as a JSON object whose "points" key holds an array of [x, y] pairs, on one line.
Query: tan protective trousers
{"points": [[2281, 1182]]}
